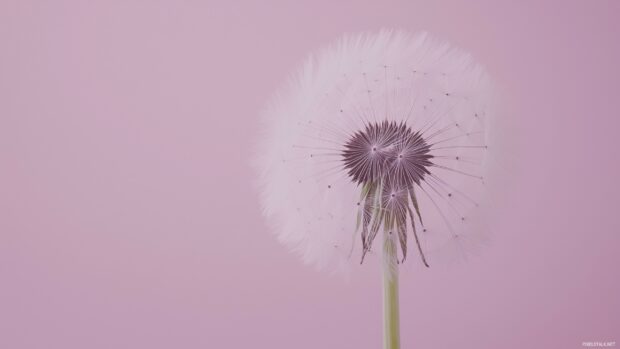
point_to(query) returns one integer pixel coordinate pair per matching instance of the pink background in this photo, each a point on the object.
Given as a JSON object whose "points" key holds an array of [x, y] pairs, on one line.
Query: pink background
{"points": [[128, 217]]}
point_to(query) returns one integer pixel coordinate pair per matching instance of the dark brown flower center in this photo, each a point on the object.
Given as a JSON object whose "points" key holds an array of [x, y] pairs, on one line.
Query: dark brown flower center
{"points": [[388, 159], [387, 150]]}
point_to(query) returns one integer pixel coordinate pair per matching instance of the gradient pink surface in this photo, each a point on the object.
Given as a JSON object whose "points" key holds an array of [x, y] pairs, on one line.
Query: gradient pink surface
{"points": [[128, 216]]}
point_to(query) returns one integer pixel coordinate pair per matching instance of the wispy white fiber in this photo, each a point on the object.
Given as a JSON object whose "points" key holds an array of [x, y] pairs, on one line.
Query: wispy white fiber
{"points": [[307, 196]]}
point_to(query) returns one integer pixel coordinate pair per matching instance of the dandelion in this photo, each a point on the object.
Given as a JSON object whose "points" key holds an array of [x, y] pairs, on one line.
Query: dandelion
{"points": [[378, 137]]}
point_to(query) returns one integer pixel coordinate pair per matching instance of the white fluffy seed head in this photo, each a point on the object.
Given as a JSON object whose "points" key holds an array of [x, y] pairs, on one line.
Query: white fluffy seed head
{"points": [[307, 196]]}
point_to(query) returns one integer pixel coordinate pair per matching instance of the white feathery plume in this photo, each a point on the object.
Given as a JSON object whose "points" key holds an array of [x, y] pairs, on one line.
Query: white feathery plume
{"points": [[307, 193]]}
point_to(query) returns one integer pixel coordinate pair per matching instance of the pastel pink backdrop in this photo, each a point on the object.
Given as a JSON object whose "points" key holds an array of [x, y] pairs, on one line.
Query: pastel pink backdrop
{"points": [[128, 217]]}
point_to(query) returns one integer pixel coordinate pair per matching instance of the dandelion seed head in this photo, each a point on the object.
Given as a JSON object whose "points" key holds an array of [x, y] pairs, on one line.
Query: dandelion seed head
{"points": [[377, 134]]}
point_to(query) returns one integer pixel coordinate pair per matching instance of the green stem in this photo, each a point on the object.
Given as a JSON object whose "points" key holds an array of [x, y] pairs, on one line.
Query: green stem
{"points": [[391, 318]]}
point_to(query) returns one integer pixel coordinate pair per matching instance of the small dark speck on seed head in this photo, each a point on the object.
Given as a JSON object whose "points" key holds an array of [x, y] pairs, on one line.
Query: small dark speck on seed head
{"points": [[329, 186], [450, 194]]}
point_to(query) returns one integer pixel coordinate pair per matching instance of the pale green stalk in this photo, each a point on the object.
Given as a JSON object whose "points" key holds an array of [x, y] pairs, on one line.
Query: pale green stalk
{"points": [[391, 318]]}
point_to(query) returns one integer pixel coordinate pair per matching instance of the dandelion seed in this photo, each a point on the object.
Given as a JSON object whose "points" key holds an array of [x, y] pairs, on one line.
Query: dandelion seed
{"points": [[403, 159]]}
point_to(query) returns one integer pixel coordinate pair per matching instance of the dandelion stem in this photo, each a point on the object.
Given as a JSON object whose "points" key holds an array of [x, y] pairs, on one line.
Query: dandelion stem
{"points": [[391, 318]]}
